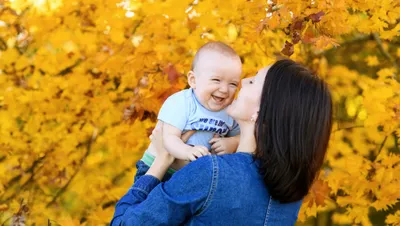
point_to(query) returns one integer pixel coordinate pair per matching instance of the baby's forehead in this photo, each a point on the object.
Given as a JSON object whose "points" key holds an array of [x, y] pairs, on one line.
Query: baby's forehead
{"points": [[216, 53], [216, 59]]}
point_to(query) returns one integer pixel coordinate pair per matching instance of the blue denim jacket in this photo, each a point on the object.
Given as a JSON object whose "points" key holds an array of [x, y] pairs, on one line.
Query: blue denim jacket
{"points": [[213, 190]]}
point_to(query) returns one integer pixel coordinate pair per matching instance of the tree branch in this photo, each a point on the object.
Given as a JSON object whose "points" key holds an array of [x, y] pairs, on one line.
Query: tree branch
{"points": [[5, 221], [114, 180], [357, 39], [350, 127], [136, 27], [3, 45], [396, 142], [386, 53], [18, 177], [13, 12], [380, 148], [262, 50], [88, 143], [68, 69]]}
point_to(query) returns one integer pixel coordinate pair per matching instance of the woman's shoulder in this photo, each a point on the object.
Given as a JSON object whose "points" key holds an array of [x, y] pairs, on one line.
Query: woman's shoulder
{"points": [[210, 165], [201, 168], [210, 160], [197, 174], [204, 163], [238, 158], [234, 163]]}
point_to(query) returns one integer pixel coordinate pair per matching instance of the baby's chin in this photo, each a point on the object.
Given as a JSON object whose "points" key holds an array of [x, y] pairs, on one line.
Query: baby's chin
{"points": [[218, 108]]}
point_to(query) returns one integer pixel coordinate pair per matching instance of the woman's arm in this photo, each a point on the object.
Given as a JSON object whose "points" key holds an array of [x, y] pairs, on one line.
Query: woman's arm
{"points": [[141, 189], [153, 203]]}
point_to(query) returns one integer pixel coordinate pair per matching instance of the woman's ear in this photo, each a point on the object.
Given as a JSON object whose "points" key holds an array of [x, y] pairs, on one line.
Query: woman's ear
{"points": [[254, 117], [191, 79]]}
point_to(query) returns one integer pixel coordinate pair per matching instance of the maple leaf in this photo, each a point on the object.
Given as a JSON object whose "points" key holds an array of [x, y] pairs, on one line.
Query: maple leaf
{"points": [[288, 49], [372, 61], [297, 25], [319, 192], [316, 17], [296, 37], [172, 73]]}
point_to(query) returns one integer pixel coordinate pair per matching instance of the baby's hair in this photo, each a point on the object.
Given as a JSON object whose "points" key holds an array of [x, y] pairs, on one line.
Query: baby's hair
{"points": [[218, 47]]}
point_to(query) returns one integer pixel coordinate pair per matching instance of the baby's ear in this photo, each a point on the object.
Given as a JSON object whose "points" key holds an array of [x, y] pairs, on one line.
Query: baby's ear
{"points": [[191, 79]]}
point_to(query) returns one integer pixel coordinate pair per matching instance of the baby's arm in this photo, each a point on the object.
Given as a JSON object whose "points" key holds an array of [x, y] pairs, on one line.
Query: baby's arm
{"points": [[177, 148]]}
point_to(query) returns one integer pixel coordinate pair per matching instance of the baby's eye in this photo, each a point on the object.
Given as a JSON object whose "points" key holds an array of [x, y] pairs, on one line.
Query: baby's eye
{"points": [[215, 80], [234, 84]]}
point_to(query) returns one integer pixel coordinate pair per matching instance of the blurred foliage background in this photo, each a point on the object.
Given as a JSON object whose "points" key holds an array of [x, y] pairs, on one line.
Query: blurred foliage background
{"points": [[69, 69]]}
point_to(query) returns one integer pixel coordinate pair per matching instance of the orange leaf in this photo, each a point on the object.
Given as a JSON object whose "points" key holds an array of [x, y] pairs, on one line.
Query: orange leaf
{"points": [[172, 73], [319, 192], [316, 17], [288, 49]]}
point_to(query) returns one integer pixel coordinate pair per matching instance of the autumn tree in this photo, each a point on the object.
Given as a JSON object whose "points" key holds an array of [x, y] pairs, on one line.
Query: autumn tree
{"points": [[69, 69]]}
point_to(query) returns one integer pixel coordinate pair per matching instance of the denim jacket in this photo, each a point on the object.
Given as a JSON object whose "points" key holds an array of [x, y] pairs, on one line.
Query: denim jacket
{"points": [[213, 190]]}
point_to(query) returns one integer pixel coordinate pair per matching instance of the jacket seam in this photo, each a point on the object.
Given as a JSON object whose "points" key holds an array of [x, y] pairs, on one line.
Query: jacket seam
{"points": [[141, 190], [268, 209], [214, 181]]}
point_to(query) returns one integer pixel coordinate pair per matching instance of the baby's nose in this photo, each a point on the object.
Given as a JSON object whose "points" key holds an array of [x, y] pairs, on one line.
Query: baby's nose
{"points": [[223, 88]]}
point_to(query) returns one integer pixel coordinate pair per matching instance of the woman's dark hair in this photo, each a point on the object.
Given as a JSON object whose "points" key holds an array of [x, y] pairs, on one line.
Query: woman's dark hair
{"points": [[292, 130]]}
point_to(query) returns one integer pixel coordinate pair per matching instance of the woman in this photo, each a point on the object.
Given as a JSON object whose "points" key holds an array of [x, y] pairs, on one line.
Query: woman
{"points": [[284, 113]]}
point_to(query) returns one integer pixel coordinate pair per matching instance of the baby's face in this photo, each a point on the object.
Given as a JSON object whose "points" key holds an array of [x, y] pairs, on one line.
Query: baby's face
{"points": [[216, 80]]}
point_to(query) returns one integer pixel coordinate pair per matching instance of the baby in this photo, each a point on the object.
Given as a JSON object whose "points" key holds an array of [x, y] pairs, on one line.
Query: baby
{"points": [[213, 80]]}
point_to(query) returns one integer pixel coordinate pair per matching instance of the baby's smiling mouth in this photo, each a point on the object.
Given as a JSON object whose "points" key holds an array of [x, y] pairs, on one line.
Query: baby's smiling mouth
{"points": [[218, 99]]}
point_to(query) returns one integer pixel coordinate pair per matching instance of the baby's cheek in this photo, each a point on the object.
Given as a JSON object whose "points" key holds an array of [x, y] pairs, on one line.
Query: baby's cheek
{"points": [[231, 96]]}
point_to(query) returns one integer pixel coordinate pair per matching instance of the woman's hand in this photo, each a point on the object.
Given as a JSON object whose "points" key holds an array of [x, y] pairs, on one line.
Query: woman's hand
{"points": [[163, 159], [157, 142]]}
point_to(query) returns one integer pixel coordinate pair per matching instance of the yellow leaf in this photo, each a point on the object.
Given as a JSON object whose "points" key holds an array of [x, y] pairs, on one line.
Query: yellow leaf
{"points": [[372, 61], [232, 32], [386, 72], [8, 56], [117, 36], [393, 219]]}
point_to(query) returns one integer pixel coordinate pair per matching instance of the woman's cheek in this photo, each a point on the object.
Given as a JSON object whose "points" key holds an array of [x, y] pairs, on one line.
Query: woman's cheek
{"points": [[230, 109]]}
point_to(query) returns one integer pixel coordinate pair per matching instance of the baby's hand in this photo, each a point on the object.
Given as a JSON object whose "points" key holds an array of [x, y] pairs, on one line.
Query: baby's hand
{"points": [[197, 152], [223, 145]]}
